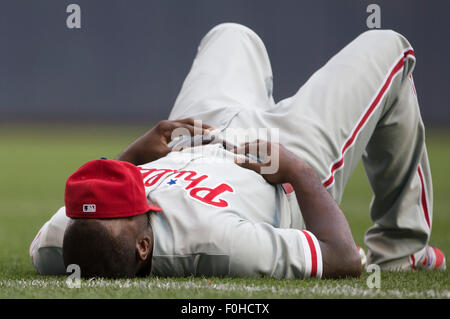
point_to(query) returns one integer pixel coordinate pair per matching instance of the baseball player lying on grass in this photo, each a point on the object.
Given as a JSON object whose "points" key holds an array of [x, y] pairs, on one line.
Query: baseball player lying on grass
{"points": [[211, 210]]}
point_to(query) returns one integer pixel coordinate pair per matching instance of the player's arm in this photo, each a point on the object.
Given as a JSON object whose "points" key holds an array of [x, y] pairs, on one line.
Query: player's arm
{"points": [[154, 144], [321, 214]]}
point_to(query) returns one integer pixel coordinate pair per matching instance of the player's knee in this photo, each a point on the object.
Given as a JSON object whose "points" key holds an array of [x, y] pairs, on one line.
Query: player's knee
{"points": [[387, 37], [231, 26], [237, 31]]}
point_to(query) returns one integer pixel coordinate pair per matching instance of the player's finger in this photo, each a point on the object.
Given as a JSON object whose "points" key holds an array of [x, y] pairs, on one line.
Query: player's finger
{"points": [[257, 149], [193, 122], [187, 128], [180, 148], [248, 165], [245, 148]]}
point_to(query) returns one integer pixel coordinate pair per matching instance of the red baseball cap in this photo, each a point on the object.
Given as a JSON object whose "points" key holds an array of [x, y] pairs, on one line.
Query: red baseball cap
{"points": [[106, 189]]}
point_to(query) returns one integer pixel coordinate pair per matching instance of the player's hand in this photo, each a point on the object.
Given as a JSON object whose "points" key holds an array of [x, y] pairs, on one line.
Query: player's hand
{"points": [[158, 138], [276, 164], [154, 144]]}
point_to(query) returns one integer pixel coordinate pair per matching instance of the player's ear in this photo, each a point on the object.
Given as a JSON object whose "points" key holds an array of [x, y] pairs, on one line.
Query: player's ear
{"points": [[143, 247]]}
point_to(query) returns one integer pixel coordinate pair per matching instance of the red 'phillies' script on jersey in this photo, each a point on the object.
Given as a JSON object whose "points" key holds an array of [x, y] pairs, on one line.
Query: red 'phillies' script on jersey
{"points": [[207, 195]]}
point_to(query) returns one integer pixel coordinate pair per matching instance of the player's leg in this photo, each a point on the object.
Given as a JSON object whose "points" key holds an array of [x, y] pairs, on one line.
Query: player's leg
{"points": [[231, 72], [331, 119], [344, 108], [397, 166]]}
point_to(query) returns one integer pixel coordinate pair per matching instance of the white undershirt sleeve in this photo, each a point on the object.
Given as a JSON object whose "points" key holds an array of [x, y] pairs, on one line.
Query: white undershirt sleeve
{"points": [[46, 248]]}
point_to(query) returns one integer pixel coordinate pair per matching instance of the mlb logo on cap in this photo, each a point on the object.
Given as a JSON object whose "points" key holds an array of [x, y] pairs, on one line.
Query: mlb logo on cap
{"points": [[106, 189], [89, 208]]}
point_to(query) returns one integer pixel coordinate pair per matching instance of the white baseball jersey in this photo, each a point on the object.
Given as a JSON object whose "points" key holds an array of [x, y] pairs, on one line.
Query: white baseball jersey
{"points": [[217, 219]]}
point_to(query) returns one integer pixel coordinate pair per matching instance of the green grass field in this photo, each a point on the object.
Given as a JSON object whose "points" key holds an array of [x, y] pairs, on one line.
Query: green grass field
{"points": [[36, 161]]}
